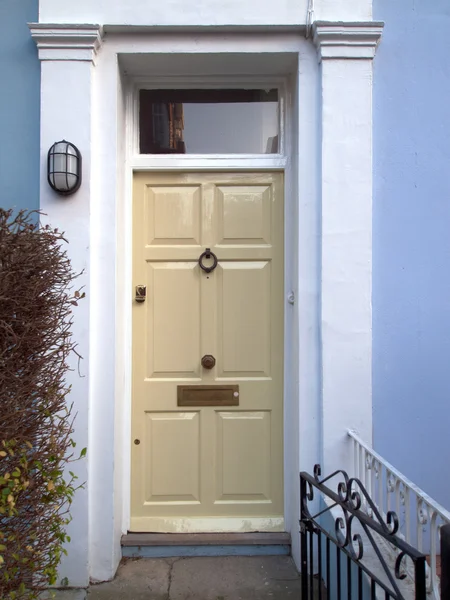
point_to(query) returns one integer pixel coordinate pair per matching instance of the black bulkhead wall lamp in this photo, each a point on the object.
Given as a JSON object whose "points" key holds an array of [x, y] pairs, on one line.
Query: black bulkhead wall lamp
{"points": [[64, 168]]}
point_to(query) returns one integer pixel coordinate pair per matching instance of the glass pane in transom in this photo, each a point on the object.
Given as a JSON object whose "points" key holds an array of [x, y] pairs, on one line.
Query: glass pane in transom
{"points": [[208, 121]]}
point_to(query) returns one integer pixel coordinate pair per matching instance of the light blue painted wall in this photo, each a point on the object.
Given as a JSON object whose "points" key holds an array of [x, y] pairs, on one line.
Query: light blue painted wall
{"points": [[411, 233], [19, 106]]}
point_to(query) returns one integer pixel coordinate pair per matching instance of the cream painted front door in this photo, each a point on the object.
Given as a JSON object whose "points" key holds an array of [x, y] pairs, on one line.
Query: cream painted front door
{"points": [[208, 459]]}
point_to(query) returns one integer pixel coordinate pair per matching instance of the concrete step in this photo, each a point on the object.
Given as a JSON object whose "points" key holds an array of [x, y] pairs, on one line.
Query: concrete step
{"points": [[165, 545]]}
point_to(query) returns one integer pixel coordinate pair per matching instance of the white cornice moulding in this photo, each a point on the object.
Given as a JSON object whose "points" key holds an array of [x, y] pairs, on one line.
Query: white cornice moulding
{"points": [[347, 40], [66, 41]]}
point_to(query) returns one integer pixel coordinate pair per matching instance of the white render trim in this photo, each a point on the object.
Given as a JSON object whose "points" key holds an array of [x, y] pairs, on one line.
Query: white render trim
{"points": [[347, 40], [182, 29], [213, 162], [56, 41]]}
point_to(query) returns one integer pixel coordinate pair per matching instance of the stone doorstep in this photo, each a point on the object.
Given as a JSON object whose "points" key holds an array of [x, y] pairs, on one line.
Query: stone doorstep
{"points": [[171, 545], [206, 539]]}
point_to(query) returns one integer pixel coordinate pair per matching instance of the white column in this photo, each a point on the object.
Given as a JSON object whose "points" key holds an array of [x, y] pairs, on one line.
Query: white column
{"points": [[67, 54], [346, 51]]}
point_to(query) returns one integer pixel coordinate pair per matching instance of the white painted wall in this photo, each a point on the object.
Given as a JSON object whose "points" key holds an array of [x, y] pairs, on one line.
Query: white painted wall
{"points": [[343, 10], [174, 12], [201, 12]]}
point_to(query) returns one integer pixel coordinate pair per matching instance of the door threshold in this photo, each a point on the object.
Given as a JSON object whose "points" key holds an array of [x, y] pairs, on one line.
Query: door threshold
{"points": [[165, 545]]}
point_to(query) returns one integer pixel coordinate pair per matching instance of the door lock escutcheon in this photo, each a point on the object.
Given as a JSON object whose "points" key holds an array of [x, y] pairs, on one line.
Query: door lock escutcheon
{"points": [[141, 293]]}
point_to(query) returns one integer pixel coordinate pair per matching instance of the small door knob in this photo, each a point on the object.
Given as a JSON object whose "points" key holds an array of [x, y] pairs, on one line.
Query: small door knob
{"points": [[137, 442], [208, 361]]}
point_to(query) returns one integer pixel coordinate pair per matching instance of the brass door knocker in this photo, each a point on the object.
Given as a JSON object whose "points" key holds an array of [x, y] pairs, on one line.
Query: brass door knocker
{"points": [[208, 255]]}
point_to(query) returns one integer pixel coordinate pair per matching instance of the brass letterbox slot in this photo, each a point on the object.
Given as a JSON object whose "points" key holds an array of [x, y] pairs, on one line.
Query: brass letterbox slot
{"points": [[208, 395]]}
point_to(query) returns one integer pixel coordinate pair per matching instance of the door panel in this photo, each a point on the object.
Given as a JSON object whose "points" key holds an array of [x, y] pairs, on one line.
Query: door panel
{"points": [[244, 318], [208, 468], [243, 457], [173, 215], [244, 214], [174, 295], [177, 478]]}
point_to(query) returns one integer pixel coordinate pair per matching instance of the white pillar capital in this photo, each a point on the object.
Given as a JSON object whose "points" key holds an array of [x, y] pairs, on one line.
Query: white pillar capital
{"points": [[56, 41], [337, 40]]}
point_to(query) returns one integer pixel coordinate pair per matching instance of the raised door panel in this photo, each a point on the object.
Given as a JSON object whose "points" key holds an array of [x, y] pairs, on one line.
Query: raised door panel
{"points": [[244, 214], [171, 469], [173, 331], [173, 215], [243, 457], [244, 319]]}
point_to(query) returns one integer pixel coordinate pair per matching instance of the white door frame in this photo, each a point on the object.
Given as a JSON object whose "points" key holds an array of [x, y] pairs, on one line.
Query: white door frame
{"points": [[301, 179], [191, 162]]}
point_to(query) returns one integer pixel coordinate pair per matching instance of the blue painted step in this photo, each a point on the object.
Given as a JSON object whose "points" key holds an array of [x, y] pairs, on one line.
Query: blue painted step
{"points": [[165, 545]]}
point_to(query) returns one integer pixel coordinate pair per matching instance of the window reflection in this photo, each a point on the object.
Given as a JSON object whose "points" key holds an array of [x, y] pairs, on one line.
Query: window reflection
{"points": [[208, 121]]}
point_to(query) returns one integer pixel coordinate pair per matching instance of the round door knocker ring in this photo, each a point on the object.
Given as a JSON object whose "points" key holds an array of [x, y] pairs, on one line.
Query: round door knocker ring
{"points": [[208, 254]]}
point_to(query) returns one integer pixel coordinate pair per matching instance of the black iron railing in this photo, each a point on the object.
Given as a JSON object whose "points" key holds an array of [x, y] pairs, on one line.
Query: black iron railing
{"points": [[445, 562], [348, 550]]}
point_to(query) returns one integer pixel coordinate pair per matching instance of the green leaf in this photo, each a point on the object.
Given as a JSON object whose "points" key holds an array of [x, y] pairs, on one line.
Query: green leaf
{"points": [[83, 453]]}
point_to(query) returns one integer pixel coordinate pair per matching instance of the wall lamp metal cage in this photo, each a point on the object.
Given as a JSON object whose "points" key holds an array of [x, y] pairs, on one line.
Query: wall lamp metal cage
{"points": [[64, 168]]}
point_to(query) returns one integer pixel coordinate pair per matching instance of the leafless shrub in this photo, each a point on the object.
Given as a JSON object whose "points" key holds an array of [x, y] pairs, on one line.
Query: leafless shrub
{"points": [[36, 302]]}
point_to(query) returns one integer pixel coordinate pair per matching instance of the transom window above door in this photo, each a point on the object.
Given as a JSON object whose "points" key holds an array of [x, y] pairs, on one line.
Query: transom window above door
{"points": [[208, 121]]}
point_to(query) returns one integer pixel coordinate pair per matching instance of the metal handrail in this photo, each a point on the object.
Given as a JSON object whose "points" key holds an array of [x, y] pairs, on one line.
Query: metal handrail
{"points": [[421, 516]]}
